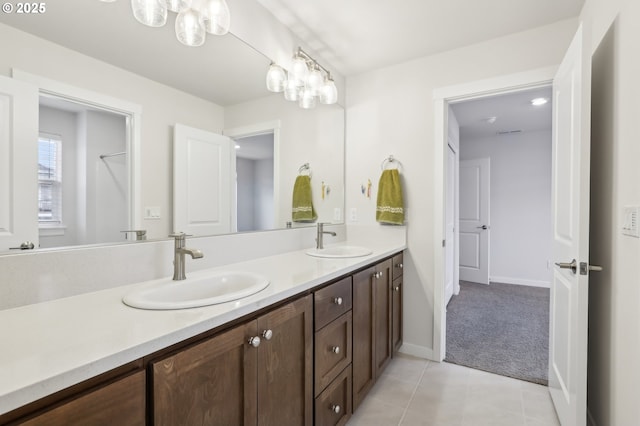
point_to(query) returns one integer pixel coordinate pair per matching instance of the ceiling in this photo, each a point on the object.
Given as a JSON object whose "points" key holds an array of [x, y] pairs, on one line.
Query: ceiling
{"points": [[513, 113], [358, 35]]}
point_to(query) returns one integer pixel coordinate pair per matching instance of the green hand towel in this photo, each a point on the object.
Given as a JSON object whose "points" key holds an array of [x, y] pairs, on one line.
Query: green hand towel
{"points": [[390, 207], [303, 210]]}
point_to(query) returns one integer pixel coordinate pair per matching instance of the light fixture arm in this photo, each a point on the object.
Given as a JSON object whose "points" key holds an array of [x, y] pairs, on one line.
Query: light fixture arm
{"points": [[300, 52]]}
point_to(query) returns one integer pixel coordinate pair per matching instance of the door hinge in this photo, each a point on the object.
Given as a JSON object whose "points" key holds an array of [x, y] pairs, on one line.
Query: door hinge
{"points": [[444, 243]]}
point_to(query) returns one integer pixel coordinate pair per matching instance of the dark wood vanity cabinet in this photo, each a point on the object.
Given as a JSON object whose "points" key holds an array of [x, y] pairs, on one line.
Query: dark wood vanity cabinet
{"points": [[396, 320], [372, 326], [121, 402], [333, 353], [316, 358], [230, 379]]}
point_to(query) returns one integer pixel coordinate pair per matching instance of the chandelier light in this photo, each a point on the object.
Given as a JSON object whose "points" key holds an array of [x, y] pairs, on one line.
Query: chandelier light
{"points": [[306, 82], [195, 18]]}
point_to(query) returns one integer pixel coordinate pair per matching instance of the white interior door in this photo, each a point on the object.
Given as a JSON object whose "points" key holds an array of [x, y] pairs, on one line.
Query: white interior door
{"points": [[474, 220], [449, 275], [18, 163], [203, 163], [570, 288]]}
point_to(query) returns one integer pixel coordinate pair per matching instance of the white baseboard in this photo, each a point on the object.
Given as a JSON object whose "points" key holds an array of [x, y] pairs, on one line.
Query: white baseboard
{"points": [[417, 351], [590, 420], [520, 281]]}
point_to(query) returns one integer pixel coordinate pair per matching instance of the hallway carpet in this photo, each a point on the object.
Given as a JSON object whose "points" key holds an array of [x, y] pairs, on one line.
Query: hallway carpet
{"points": [[500, 328]]}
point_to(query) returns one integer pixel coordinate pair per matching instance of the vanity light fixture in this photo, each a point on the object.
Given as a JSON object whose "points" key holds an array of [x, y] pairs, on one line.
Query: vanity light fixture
{"points": [[306, 82], [539, 101], [195, 17]]}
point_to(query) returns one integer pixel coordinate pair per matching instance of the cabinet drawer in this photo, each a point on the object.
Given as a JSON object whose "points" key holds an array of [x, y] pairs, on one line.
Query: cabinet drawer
{"points": [[333, 406], [331, 302], [332, 350], [397, 266]]}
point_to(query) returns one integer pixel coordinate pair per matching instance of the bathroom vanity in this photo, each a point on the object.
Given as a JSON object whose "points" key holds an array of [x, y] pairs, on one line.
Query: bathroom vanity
{"points": [[306, 350]]}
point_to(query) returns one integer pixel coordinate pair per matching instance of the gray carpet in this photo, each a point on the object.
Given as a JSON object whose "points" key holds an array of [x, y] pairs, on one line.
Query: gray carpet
{"points": [[500, 328]]}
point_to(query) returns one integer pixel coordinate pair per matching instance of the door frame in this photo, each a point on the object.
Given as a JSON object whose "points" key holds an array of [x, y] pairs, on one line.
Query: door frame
{"points": [[133, 116], [255, 130], [442, 97]]}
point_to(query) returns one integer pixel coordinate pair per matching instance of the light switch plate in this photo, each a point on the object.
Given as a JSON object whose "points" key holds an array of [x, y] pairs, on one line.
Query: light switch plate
{"points": [[630, 221]]}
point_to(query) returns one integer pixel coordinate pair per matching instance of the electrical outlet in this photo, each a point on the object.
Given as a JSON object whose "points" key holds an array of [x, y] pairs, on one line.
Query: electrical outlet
{"points": [[353, 214], [337, 214], [152, 212]]}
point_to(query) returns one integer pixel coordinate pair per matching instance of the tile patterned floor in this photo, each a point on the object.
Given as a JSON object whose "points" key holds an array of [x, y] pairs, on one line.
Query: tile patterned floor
{"points": [[416, 392]]}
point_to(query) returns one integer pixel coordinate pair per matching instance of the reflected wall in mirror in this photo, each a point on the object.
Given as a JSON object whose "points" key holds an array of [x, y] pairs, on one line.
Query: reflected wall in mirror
{"points": [[216, 87]]}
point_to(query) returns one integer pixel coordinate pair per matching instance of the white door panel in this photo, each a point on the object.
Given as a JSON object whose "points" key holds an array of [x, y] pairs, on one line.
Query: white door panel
{"points": [[569, 290], [202, 197], [18, 163], [450, 226], [474, 215]]}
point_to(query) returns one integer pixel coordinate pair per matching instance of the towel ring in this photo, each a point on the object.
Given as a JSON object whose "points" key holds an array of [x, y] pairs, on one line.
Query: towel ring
{"points": [[390, 160], [303, 168]]}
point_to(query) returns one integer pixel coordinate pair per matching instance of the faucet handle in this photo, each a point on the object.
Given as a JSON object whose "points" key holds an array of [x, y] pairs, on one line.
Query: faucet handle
{"points": [[179, 235]]}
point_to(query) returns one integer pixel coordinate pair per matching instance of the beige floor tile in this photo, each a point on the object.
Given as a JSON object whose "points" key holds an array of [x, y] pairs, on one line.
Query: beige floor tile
{"points": [[479, 414], [392, 391], [406, 368], [426, 417], [539, 406], [375, 413]]}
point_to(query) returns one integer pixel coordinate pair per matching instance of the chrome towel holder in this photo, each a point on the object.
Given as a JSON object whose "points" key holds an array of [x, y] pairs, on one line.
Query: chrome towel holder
{"points": [[390, 160]]}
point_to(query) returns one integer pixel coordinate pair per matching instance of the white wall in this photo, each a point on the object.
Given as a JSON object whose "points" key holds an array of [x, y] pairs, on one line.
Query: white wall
{"points": [[520, 203], [63, 124], [264, 207], [306, 136], [390, 111], [614, 294], [162, 107]]}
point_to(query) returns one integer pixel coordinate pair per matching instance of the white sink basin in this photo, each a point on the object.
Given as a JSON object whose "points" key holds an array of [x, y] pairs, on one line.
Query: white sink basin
{"points": [[212, 289], [340, 251]]}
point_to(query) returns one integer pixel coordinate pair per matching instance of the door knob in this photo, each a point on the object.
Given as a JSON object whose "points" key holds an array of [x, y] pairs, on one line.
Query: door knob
{"points": [[254, 341], [27, 245], [482, 227], [585, 268], [267, 334], [573, 265]]}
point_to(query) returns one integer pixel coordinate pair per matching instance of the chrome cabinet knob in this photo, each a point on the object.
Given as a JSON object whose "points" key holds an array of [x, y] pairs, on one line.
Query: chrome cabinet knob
{"points": [[377, 275], [397, 288], [337, 300], [335, 408], [399, 265], [335, 349], [267, 334], [254, 341]]}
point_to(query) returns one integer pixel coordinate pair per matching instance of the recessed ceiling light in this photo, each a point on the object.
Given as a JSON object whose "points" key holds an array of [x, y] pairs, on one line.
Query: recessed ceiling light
{"points": [[490, 120], [539, 101]]}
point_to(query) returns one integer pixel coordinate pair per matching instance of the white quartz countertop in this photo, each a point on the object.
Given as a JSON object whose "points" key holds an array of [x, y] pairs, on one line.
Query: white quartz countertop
{"points": [[47, 347]]}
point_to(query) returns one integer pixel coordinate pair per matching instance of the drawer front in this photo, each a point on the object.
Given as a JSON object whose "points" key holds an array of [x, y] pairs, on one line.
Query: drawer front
{"points": [[332, 351], [397, 266], [331, 302], [333, 406]]}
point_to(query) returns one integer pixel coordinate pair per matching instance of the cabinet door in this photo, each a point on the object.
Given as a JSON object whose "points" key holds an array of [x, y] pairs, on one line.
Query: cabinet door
{"points": [[364, 373], [396, 335], [119, 403], [211, 383], [398, 265], [285, 365], [383, 307]]}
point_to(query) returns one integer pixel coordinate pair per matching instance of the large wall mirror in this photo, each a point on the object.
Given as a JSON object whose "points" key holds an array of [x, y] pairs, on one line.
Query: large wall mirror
{"points": [[115, 166]]}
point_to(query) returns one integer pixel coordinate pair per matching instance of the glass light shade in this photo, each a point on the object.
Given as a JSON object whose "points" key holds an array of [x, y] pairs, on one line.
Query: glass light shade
{"points": [[276, 78], [307, 100], [178, 6], [315, 81], [190, 28], [329, 92], [292, 90], [299, 71], [150, 12], [217, 17]]}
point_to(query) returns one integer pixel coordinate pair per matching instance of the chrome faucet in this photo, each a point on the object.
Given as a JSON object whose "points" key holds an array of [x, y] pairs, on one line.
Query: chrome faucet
{"points": [[179, 252], [320, 236]]}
